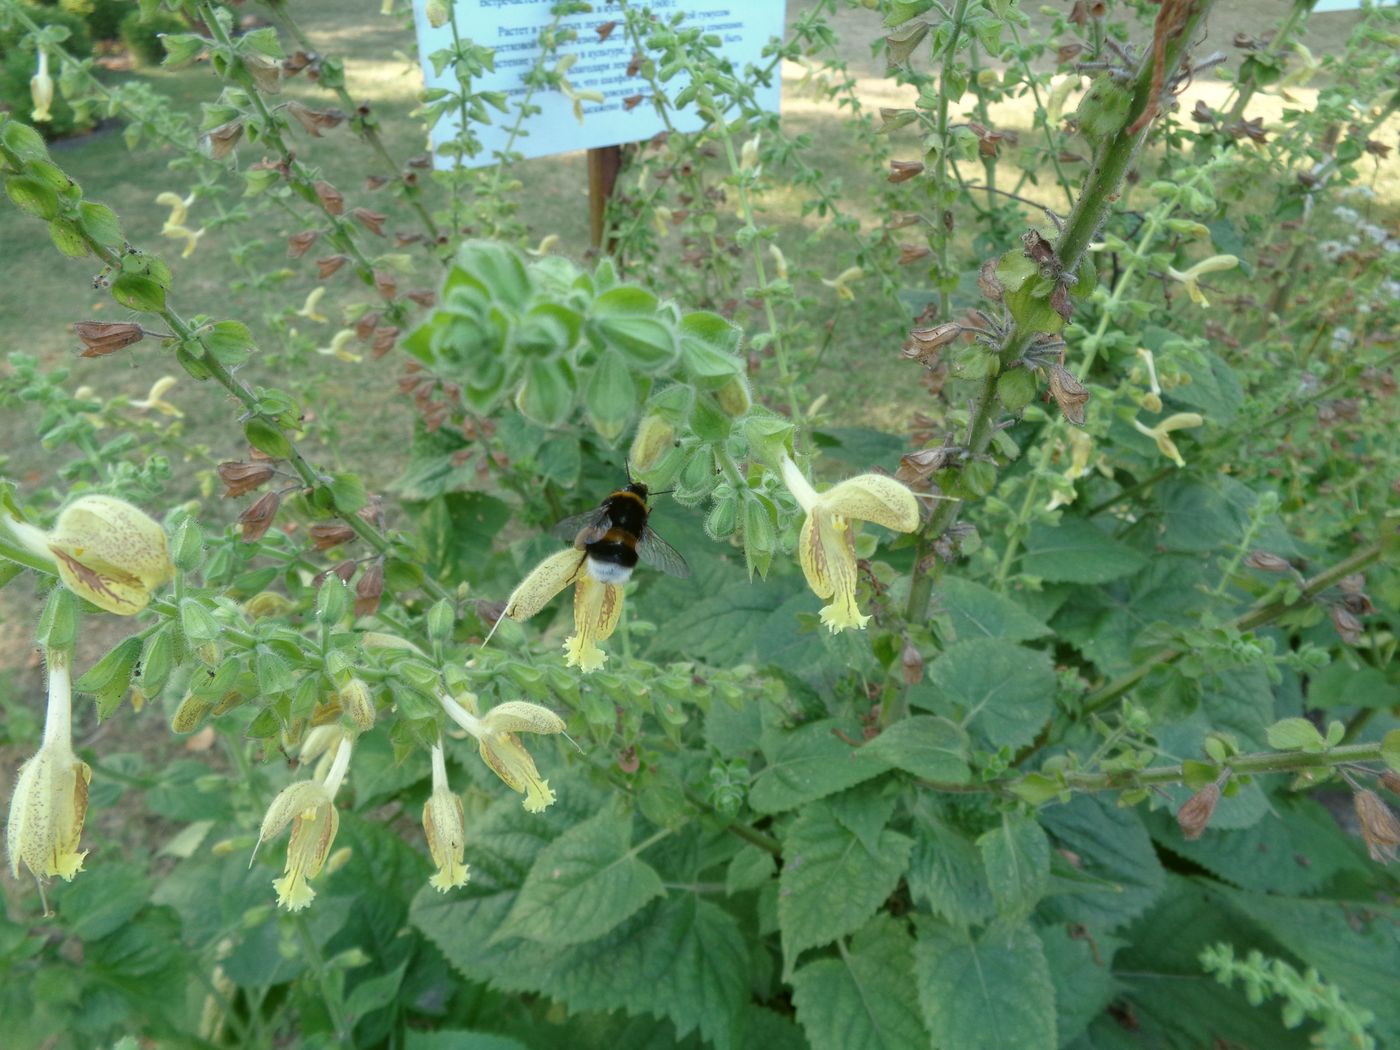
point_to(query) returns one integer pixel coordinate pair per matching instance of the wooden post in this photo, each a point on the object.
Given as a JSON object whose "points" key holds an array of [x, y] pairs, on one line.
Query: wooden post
{"points": [[604, 162]]}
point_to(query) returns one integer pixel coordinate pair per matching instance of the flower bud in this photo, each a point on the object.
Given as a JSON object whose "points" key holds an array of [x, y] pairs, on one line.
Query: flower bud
{"points": [[1195, 813], [1379, 828], [1390, 780], [110, 553], [267, 603], [655, 437], [734, 397], [987, 78], [438, 13], [358, 703], [189, 714]]}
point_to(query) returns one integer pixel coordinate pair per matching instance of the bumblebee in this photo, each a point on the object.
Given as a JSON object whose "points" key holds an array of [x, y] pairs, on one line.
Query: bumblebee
{"points": [[615, 536]]}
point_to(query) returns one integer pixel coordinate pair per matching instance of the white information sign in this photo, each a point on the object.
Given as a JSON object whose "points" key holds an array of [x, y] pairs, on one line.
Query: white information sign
{"points": [[512, 29], [1324, 6]]}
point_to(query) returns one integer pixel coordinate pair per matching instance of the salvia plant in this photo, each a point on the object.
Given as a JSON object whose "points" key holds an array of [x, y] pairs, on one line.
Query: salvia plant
{"points": [[1018, 668]]}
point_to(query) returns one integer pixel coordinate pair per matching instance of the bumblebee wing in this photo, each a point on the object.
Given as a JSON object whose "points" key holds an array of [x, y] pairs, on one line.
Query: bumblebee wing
{"points": [[659, 554], [570, 527]]}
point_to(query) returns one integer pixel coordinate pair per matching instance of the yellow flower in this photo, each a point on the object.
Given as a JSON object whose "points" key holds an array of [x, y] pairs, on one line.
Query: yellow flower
{"points": [[597, 604], [501, 749], [155, 399], [1080, 445], [179, 207], [1191, 278], [51, 791], [780, 266], [309, 805], [41, 89], [1055, 102], [546, 245], [339, 348], [309, 308], [1159, 433], [843, 282], [445, 826], [826, 547], [104, 550], [748, 155], [1152, 400]]}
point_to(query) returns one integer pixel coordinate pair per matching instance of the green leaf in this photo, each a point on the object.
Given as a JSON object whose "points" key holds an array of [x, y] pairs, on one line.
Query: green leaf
{"points": [[1077, 552], [750, 868], [1352, 945], [831, 884], [136, 291], [1016, 856], [1079, 965], [978, 611], [928, 747], [679, 957], [459, 1039], [1117, 876], [494, 268], [108, 679], [1295, 734], [1341, 685], [1390, 749], [582, 885], [947, 874], [863, 999], [1005, 692], [611, 397], [100, 223], [989, 993], [548, 392], [807, 764], [228, 342], [267, 438], [32, 195], [375, 993]]}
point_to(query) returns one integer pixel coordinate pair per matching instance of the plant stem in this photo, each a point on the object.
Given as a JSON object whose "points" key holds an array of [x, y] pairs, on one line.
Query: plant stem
{"points": [[940, 175], [1107, 694], [1111, 162], [330, 995]]}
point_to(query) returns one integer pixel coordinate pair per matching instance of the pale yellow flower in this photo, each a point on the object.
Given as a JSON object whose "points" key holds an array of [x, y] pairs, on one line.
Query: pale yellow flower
{"points": [[1152, 400], [340, 346], [597, 604], [826, 547], [51, 791], [1191, 277], [309, 308], [842, 284], [41, 89], [309, 806], [1160, 433], [445, 827], [104, 550], [546, 245], [155, 399], [1080, 446], [497, 734], [780, 266]]}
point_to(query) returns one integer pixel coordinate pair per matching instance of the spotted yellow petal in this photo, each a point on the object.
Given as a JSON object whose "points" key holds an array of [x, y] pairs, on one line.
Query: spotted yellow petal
{"points": [[875, 498], [546, 580]]}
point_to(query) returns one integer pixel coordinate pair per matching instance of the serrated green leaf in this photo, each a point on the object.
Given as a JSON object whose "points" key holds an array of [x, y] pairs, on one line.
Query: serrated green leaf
{"points": [[1077, 552], [863, 1000], [749, 869], [1117, 872], [946, 873], [831, 884], [929, 747], [582, 885], [1004, 692], [1016, 856], [989, 993], [807, 764]]}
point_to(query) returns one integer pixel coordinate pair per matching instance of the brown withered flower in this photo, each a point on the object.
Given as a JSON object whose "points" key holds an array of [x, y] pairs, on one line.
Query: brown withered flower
{"points": [[988, 283], [364, 327], [298, 244], [384, 339], [911, 663], [1195, 813], [370, 220], [326, 535], [240, 478], [331, 198], [912, 253], [1347, 625], [1379, 828], [1069, 393], [376, 182], [424, 297], [631, 102], [904, 170], [924, 344], [385, 284], [1390, 780], [220, 141], [915, 467], [100, 338], [369, 589], [328, 265], [1264, 561], [605, 30], [266, 75], [315, 121], [258, 518]]}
